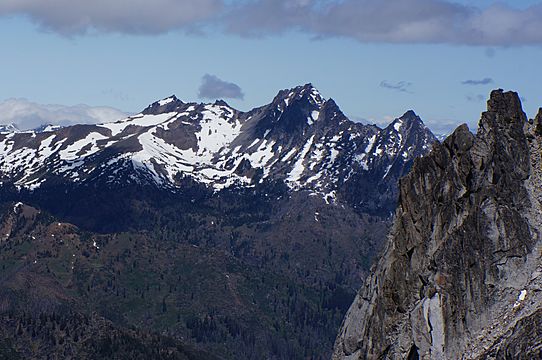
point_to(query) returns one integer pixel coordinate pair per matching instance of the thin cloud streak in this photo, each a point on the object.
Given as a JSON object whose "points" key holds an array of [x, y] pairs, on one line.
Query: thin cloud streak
{"points": [[485, 81], [401, 86]]}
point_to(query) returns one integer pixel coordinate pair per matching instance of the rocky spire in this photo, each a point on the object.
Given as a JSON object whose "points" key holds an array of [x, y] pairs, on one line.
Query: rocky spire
{"points": [[507, 103], [456, 260]]}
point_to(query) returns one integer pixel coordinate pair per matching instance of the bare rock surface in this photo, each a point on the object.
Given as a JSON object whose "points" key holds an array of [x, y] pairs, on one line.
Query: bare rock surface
{"points": [[461, 274]]}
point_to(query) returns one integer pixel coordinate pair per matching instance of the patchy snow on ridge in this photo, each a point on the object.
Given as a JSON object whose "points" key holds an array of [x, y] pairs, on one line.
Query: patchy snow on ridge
{"points": [[138, 120], [299, 166], [166, 101], [73, 151], [397, 125], [215, 145], [217, 131]]}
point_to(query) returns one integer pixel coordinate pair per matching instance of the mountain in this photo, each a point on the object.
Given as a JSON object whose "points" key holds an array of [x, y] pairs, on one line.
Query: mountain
{"points": [[300, 139], [9, 128], [242, 233], [461, 273]]}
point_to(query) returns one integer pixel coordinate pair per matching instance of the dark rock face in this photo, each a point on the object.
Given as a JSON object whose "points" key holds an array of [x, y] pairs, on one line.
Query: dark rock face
{"points": [[462, 268], [538, 122], [520, 342]]}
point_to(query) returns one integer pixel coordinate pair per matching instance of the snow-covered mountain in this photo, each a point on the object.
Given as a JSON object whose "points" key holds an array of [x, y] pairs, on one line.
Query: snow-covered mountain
{"points": [[299, 138], [9, 128]]}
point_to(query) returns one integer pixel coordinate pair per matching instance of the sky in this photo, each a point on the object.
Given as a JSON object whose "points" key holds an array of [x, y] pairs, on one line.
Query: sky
{"points": [[69, 61]]}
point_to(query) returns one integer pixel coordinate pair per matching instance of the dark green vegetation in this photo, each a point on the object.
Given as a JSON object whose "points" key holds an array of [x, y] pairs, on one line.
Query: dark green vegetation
{"points": [[139, 273], [65, 335]]}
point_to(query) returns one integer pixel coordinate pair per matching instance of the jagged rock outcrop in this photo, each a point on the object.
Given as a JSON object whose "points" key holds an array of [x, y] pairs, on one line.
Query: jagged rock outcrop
{"points": [[461, 275]]}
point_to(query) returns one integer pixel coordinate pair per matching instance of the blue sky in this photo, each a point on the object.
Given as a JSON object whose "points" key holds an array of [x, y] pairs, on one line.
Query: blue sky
{"points": [[83, 56]]}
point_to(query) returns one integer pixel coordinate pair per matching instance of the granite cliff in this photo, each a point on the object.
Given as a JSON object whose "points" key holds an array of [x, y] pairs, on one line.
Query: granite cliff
{"points": [[461, 274]]}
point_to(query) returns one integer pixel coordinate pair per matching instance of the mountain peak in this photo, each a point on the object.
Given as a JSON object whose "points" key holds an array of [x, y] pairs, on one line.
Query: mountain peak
{"points": [[406, 121], [504, 116], [168, 100], [303, 92], [409, 114], [308, 87], [507, 104], [168, 104], [9, 128], [221, 102]]}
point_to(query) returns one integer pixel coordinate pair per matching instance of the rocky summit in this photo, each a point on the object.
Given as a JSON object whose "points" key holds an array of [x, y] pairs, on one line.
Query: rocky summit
{"points": [[197, 227], [461, 273]]}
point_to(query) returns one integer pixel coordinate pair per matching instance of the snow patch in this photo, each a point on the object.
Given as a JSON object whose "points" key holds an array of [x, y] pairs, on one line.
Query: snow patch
{"points": [[72, 152], [166, 101], [299, 167], [371, 143], [17, 206], [397, 125], [521, 297], [289, 155], [333, 156], [314, 116], [138, 120], [330, 198]]}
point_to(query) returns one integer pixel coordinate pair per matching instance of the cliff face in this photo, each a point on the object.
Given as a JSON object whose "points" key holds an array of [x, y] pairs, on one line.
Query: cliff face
{"points": [[461, 275]]}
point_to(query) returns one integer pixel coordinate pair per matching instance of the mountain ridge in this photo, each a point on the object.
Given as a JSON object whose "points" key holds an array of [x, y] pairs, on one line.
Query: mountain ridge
{"points": [[299, 138]]}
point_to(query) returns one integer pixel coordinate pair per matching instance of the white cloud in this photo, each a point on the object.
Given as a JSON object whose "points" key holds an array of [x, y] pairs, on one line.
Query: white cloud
{"points": [[392, 21], [367, 21], [125, 16], [29, 115], [214, 88]]}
